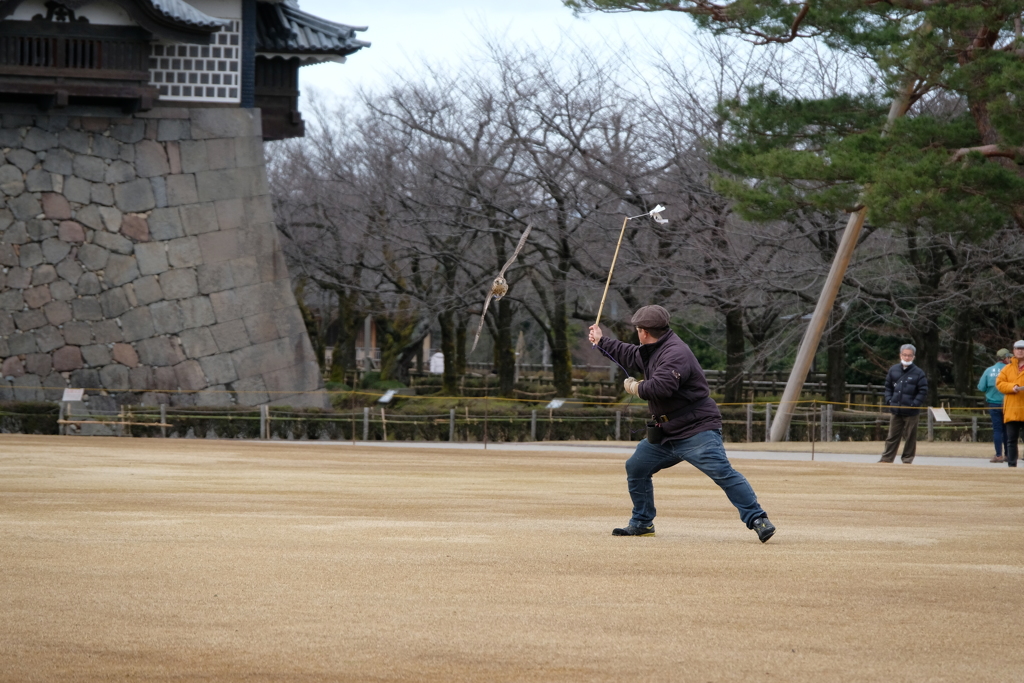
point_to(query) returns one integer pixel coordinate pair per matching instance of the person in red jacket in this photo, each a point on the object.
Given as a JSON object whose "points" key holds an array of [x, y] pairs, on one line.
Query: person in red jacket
{"points": [[685, 422]]}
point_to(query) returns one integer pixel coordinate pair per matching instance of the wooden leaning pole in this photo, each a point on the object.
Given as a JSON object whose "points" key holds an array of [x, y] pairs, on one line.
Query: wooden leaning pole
{"points": [[812, 337]]}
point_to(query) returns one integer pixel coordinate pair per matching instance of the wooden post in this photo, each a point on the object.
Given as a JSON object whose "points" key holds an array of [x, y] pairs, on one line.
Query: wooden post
{"points": [[618, 425], [931, 425], [974, 429], [750, 422], [62, 429], [263, 422], [451, 426], [163, 420], [767, 421], [383, 423], [366, 424], [533, 425]]}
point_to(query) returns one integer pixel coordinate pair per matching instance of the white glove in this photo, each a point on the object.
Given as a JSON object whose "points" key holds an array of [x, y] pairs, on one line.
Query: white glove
{"points": [[632, 386]]}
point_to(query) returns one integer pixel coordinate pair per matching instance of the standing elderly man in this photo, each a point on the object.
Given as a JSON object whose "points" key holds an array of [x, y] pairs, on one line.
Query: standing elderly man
{"points": [[685, 422], [906, 388], [994, 400]]}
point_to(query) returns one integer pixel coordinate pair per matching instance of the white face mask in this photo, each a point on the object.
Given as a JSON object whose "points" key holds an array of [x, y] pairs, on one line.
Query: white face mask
{"points": [[906, 363]]}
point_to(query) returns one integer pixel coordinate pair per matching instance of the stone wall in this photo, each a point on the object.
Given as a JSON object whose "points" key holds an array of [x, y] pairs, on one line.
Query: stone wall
{"points": [[140, 261]]}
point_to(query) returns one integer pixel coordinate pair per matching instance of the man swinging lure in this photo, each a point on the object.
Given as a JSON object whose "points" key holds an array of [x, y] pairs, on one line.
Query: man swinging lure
{"points": [[685, 422]]}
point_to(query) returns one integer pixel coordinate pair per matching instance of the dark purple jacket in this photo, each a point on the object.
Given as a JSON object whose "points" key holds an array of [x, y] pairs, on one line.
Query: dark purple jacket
{"points": [[673, 380]]}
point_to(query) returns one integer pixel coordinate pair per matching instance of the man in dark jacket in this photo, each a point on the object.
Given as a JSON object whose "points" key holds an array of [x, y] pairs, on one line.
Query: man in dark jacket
{"points": [[685, 422], [906, 389]]}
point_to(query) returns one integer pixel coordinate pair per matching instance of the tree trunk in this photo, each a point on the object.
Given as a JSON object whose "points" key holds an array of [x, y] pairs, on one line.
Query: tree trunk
{"points": [[835, 355], [561, 355], [734, 343], [449, 379], [504, 351], [963, 356], [926, 339]]}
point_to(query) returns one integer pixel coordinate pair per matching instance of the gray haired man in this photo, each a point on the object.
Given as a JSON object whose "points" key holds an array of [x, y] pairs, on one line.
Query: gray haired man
{"points": [[906, 389]]}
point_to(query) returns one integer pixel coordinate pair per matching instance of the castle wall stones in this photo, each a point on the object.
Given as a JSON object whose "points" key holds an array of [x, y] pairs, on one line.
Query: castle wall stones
{"points": [[140, 261]]}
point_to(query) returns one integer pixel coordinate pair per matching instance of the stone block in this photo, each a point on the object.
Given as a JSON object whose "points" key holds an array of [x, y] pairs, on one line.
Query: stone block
{"points": [[172, 129], [44, 274], [93, 257], [11, 300], [197, 312], [137, 324], [10, 174], [140, 378], [151, 159], [77, 333], [129, 132], [96, 356], [28, 388], [13, 367], [74, 140], [105, 147], [255, 299], [106, 332], [70, 271], [13, 188], [29, 320], [245, 271], [259, 359], [198, 219], [113, 242], [19, 278], [159, 352], [38, 180], [225, 184], [121, 269], [57, 312], [114, 302], [25, 207], [193, 156], [184, 252], [179, 283], [164, 379], [90, 168], [230, 213], [215, 277], [77, 189], [165, 224], [19, 343], [8, 257], [135, 227], [86, 308], [67, 359], [38, 140], [298, 378], [225, 305], [48, 338], [147, 290], [261, 328], [38, 364], [249, 152], [213, 397], [119, 172], [151, 257], [112, 218], [56, 207], [31, 255], [14, 232], [198, 343], [167, 317], [22, 158], [223, 245], [55, 251], [115, 378], [159, 190], [181, 189], [230, 336], [89, 284], [58, 161], [62, 291], [190, 375], [219, 369], [221, 153], [250, 391], [135, 196], [37, 297], [125, 355], [39, 230], [100, 193], [224, 123], [87, 379]]}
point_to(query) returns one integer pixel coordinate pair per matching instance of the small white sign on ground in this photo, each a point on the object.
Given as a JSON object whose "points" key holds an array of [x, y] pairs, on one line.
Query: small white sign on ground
{"points": [[555, 403], [386, 398], [73, 394], [940, 415]]}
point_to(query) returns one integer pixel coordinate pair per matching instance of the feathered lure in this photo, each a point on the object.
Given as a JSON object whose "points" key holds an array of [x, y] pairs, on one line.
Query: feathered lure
{"points": [[499, 287]]}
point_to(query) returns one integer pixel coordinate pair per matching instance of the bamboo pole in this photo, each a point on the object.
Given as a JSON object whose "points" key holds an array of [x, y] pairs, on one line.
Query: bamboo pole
{"points": [[611, 270]]}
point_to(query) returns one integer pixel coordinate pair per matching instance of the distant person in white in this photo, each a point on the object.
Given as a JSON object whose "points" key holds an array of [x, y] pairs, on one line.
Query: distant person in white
{"points": [[437, 363]]}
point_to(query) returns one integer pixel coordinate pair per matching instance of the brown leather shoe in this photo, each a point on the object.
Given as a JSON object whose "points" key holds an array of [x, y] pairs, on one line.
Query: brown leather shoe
{"points": [[998, 458]]}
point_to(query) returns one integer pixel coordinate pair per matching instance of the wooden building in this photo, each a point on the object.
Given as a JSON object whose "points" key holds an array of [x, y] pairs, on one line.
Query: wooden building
{"points": [[134, 55]]}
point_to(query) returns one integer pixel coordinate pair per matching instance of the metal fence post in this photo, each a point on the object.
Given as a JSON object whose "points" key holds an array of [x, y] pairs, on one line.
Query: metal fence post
{"points": [[750, 422], [451, 425], [618, 425], [366, 424], [163, 420], [533, 425], [767, 422]]}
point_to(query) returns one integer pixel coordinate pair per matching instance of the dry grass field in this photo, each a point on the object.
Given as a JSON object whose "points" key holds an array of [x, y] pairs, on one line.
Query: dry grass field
{"points": [[133, 559]]}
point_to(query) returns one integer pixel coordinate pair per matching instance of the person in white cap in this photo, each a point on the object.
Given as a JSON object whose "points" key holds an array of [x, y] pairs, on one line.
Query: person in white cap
{"points": [[1011, 383]]}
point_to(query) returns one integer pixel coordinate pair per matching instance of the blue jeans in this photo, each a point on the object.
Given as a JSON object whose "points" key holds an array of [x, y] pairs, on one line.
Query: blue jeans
{"points": [[998, 433], [705, 452]]}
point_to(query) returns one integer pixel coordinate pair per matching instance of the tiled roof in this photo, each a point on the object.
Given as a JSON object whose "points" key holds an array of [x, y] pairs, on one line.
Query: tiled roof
{"points": [[180, 11], [281, 27]]}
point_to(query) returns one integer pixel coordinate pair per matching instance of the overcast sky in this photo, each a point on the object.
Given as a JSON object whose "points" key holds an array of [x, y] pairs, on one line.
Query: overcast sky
{"points": [[405, 33]]}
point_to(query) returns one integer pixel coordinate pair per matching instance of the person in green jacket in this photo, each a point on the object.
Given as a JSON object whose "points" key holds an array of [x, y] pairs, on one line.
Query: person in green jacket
{"points": [[994, 400]]}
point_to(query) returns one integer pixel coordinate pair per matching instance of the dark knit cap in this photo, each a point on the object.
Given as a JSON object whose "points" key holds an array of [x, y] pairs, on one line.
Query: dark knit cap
{"points": [[651, 318]]}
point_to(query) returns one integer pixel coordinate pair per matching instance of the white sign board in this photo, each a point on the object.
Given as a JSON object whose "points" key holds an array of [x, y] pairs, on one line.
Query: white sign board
{"points": [[386, 398], [73, 394], [555, 403], [940, 415]]}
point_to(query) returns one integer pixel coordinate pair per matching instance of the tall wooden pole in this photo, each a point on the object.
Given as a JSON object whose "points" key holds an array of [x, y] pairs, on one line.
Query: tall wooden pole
{"points": [[611, 270], [812, 337]]}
